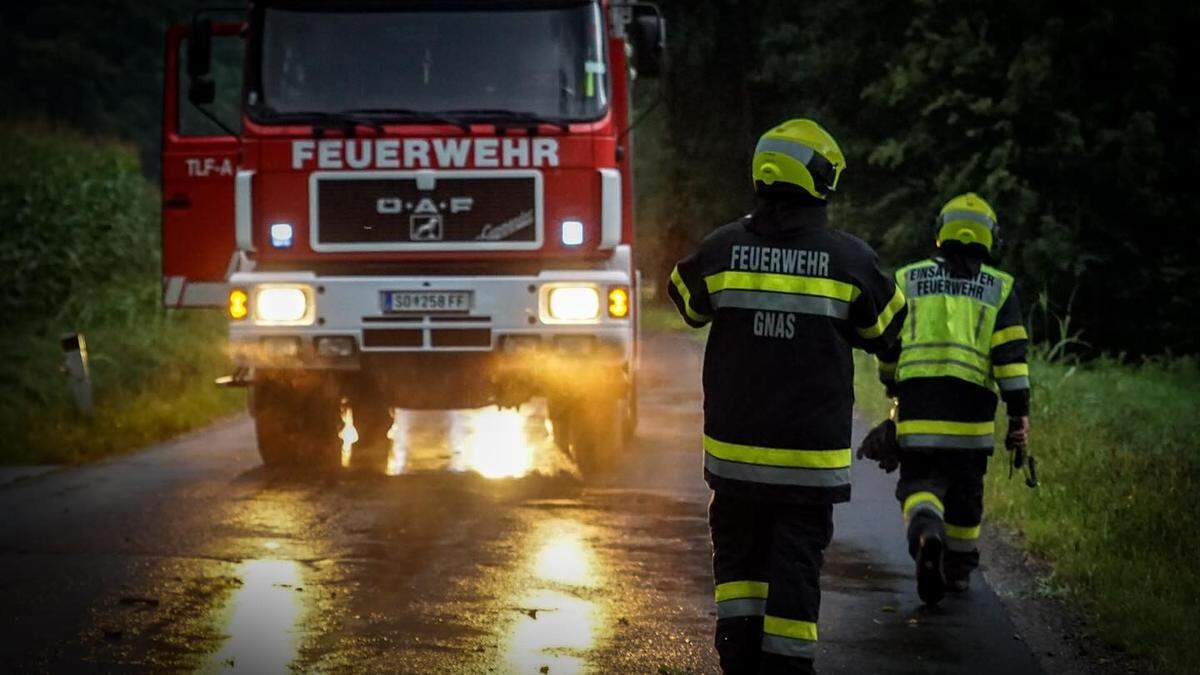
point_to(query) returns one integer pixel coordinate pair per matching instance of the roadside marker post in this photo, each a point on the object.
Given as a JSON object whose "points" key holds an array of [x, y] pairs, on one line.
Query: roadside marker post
{"points": [[75, 365]]}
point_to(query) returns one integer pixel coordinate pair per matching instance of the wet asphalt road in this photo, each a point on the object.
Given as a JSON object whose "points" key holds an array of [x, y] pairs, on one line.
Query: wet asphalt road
{"points": [[475, 549]]}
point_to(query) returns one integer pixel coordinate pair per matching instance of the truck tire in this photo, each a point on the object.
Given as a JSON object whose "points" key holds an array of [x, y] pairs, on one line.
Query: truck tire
{"points": [[296, 426], [597, 434], [372, 421], [629, 427], [559, 413]]}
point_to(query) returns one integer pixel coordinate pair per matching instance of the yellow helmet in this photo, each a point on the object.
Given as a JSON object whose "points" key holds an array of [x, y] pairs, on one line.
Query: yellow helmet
{"points": [[969, 219], [799, 152]]}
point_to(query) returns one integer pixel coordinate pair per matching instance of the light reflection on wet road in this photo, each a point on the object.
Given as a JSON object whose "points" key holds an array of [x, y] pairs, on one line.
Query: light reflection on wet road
{"points": [[558, 622], [263, 617], [472, 547]]}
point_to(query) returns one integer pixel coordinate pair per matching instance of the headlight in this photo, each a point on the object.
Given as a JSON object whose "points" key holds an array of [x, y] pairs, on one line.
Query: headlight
{"points": [[283, 306], [572, 304]]}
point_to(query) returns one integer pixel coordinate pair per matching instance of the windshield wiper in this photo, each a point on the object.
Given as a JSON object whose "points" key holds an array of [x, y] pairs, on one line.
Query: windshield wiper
{"points": [[517, 117], [343, 119], [414, 115]]}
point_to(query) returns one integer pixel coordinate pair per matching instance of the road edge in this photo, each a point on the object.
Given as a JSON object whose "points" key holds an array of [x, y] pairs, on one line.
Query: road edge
{"points": [[1058, 635]]}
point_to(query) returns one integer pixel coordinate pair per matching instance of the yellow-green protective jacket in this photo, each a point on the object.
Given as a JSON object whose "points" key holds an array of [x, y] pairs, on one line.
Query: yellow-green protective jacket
{"points": [[962, 341]]}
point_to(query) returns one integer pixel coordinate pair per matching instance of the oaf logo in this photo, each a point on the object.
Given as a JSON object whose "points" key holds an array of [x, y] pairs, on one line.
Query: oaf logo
{"points": [[425, 220]]}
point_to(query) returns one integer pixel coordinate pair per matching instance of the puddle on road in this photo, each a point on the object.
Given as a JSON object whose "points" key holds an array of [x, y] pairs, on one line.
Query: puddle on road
{"points": [[558, 622], [262, 619], [490, 442]]}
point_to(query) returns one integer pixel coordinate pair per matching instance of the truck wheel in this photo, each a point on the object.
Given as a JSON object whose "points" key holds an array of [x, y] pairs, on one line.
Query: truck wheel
{"points": [[372, 421], [296, 426], [597, 434], [629, 427], [559, 412]]}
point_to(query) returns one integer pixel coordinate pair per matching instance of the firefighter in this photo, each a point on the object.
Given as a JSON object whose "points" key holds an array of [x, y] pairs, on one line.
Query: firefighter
{"points": [[787, 298], [963, 339]]}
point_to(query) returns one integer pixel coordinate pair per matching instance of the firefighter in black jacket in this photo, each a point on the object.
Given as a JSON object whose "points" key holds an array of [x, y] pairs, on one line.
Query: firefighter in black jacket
{"points": [[787, 298], [963, 340]]}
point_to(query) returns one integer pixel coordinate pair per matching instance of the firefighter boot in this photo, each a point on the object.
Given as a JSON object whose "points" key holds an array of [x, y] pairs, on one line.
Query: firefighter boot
{"points": [[958, 581], [958, 569], [931, 580]]}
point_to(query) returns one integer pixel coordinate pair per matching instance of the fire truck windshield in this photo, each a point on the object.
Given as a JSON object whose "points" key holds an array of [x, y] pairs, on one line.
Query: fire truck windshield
{"points": [[533, 61]]}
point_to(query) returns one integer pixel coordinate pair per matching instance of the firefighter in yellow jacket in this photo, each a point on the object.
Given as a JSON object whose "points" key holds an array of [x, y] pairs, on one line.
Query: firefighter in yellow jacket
{"points": [[962, 341]]}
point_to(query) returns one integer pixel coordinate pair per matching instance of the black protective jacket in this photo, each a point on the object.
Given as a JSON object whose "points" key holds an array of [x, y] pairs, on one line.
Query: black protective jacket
{"points": [[787, 298]]}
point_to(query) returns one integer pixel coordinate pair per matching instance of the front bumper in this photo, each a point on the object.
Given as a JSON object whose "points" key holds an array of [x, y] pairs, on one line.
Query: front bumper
{"points": [[505, 322]]}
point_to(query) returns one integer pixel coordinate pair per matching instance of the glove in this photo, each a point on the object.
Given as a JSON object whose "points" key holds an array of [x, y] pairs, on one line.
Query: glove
{"points": [[880, 445], [1015, 442], [1018, 432], [1016, 438]]}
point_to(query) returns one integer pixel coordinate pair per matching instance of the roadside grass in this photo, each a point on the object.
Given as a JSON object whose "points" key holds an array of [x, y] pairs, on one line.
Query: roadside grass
{"points": [[79, 251], [1116, 513]]}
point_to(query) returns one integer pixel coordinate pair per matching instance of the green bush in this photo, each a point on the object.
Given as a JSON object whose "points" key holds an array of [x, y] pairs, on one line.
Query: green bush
{"points": [[79, 251], [1116, 511]]}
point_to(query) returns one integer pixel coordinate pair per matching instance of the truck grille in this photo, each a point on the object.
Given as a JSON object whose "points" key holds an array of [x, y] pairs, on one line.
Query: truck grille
{"points": [[427, 210]]}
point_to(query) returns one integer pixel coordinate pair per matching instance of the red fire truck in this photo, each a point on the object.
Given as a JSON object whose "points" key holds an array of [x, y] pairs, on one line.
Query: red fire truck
{"points": [[411, 204]]}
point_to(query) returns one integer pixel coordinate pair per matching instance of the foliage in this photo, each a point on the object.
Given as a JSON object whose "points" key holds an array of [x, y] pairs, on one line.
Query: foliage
{"points": [[1073, 119], [1116, 509], [93, 65], [76, 214], [79, 252]]}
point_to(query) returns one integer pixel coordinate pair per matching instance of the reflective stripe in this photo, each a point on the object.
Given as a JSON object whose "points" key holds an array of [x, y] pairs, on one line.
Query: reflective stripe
{"points": [[918, 501], [960, 545], [752, 454], [781, 302], [686, 295], [944, 434], [783, 646], [961, 539], [945, 346], [782, 283], [962, 214], [790, 628], [728, 609], [962, 532], [885, 316], [797, 151], [1010, 334], [1011, 370], [957, 363], [733, 590], [774, 475], [1013, 383], [946, 441], [945, 427]]}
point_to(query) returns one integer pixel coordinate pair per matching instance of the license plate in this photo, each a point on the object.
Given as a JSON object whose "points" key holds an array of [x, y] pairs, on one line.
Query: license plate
{"points": [[427, 301]]}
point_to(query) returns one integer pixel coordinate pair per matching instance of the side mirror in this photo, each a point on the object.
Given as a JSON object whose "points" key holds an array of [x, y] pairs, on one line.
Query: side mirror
{"points": [[202, 90], [648, 34]]}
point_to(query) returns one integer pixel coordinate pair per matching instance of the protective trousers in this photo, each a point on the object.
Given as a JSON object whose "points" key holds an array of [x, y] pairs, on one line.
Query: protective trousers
{"points": [[767, 559], [941, 492]]}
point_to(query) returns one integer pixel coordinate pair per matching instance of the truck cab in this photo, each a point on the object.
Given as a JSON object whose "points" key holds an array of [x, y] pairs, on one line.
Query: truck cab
{"points": [[411, 205]]}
